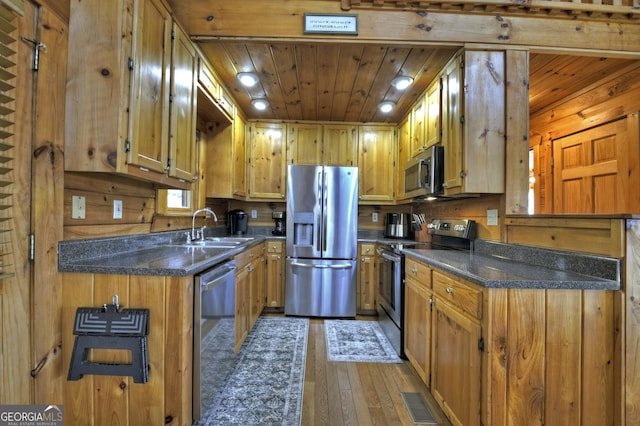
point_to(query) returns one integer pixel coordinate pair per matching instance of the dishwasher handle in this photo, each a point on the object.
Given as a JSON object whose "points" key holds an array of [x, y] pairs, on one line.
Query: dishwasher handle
{"points": [[217, 276]]}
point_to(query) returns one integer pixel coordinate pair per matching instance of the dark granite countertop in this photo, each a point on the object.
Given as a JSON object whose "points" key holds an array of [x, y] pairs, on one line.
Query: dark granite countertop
{"points": [[490, 264], [492, 272], [156, 256]]}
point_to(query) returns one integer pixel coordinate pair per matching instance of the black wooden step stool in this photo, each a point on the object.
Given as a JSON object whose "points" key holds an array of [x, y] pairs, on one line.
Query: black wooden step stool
{"points": [[110, 328]]}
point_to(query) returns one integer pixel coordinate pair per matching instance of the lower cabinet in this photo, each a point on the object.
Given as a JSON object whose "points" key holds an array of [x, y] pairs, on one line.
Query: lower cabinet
{"points": [[249, 291], [456, 358], [367, 280], [100, 399], [417, 318], [275, 275]]}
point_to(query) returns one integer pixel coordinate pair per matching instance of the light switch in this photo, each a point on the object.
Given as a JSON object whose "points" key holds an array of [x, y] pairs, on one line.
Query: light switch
{"points": [[492, 217], [254, 214], [117, 209], [77, 207]]}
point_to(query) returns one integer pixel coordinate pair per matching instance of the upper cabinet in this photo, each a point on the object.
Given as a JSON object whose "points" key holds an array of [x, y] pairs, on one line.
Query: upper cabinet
{"points": [[425, 119], [119, 109], [184, 70], [327, 144], [267, 160], [473, 122], [376, 163]]}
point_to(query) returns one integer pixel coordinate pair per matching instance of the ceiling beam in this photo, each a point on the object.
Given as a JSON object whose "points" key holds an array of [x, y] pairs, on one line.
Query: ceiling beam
{"points": [[213, 19]]}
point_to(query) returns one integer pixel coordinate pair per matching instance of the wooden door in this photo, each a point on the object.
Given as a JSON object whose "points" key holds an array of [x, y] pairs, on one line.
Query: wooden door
{"points": [[340, 145], [451, 126], [304, 144], [404, 154], [257, 289], [239, 156], [418, 118], [456, 363], [149, 104], [182, 138], [243, 292], [30, 291], [417, 328], [591, 171], [367, 279], [432, 123], [275, 275], [267, 163], [376, 163]]}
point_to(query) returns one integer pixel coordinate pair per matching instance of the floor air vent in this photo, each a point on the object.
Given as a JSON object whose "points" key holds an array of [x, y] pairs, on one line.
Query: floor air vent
{"points": [[418, 410]]}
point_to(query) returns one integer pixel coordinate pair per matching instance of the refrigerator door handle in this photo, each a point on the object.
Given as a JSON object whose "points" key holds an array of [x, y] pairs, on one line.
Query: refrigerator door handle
{"points": [[309, 265], [325, 207], [343, 266], [318, 220]]}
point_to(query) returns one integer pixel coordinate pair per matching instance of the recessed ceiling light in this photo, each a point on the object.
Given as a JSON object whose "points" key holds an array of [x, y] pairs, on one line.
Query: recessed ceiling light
{"points": [[386, 107], [260, 104], [247, 79], [401, 83]]}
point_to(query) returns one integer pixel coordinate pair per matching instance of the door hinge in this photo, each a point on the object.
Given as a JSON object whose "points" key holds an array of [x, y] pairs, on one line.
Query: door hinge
{"points": [[481, 344], [127, 146], [37, 45], [130, 64], [168, 164], [431, 302], [173, 34], [462, 119], [32, 247]]}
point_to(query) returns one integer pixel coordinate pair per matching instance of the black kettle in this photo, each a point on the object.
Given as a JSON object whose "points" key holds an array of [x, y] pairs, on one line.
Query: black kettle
{"points": [[237, 222]]}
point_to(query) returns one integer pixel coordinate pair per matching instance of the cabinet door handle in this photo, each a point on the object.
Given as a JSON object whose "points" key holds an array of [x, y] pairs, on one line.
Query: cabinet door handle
{"points": [[449, 290], [414, 271]]}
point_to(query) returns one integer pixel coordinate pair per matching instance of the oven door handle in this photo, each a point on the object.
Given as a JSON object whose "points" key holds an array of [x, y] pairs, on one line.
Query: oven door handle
{"points": [[390, 256]]}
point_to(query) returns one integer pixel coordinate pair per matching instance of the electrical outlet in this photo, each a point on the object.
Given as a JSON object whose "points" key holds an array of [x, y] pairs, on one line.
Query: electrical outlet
{"points": [[254, 214], [117, 209], [492, 217], [374, 216], [78, 210]]}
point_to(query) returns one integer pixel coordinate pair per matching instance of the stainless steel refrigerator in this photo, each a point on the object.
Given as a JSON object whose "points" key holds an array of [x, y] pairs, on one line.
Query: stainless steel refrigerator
{"points": [[322, 227]]}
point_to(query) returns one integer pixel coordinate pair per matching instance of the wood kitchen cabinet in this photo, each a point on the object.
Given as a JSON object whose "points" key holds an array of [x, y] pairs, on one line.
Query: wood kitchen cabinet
{"points": [[120, 118], [226, 171], [367, 280], [267, 160], [417, 317], [257, 287], [456, 349], [376, 163], [326, 144], [304, 144], [99, 399], [404, 154], [418, 126], [473, 122], [249, 291], [275, 274]]}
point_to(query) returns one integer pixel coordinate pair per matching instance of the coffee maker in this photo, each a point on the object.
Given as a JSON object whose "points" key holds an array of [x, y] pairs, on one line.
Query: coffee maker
{"points": [[280, 223], [237, 222]]}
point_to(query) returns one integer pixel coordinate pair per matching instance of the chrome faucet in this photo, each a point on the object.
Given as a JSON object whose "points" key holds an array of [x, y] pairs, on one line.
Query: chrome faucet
{"points": [[197, 235]]}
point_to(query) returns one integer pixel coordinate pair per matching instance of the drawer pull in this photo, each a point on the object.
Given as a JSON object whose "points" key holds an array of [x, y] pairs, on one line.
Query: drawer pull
{"points": [[414, 271], [449, 290]]}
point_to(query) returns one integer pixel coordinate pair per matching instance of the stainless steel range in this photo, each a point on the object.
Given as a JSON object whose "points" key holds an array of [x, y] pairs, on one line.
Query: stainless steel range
{"points": [[446, 234]]}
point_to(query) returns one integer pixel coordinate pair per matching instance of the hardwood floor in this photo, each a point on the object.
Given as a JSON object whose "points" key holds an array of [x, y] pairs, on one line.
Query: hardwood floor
{"points": [[343, 393]]}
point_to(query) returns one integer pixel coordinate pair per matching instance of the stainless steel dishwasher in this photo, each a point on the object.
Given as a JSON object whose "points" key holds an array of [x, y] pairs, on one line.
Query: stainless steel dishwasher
{"points": [[213, 333]]}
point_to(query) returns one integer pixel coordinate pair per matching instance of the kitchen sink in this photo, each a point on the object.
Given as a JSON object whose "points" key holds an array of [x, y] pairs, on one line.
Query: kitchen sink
{"points": [[220, 242]]}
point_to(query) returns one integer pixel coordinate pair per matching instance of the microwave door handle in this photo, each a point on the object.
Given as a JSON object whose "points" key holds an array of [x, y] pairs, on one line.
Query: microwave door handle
{"points": [[427, 175]]}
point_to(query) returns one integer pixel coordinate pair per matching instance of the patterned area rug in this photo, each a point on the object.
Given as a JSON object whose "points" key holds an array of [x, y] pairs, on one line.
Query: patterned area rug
{"points": [[266, 385], [358, 341]]}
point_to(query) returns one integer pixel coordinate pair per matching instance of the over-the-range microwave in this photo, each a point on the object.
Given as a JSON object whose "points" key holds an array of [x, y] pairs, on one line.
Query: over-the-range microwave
{"points": [[423, 175]]}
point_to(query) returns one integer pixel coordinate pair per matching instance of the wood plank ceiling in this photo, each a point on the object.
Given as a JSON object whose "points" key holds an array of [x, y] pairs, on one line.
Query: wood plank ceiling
{"points": [[347, 81], [323, 81]]}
